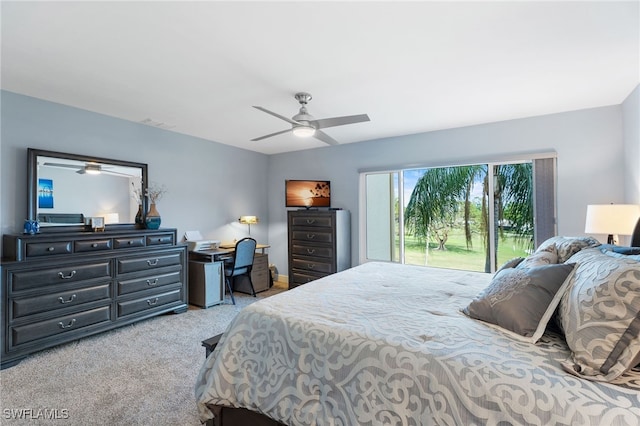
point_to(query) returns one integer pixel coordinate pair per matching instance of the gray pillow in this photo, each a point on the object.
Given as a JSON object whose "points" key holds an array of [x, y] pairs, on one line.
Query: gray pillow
{"points": [[522, 301], [511, 263], [600, 315], [568, 246]]}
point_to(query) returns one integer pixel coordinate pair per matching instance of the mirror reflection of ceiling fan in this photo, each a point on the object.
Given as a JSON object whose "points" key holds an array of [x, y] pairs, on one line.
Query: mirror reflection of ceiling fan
{"points": [[87, 168], [304, 124]]}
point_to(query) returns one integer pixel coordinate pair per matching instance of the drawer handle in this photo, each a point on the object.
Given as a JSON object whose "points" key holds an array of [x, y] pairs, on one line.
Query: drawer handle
{"points": [[152, 302], [66, 277], [310, 221], [51, 249], [130, 242], [69, 300], [311, 251], [62, 326], [154, 282], [94, 245], [311, 236], [153, 262], [310, 265]]}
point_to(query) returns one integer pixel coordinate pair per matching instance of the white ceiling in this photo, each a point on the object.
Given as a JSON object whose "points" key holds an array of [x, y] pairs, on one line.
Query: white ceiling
{"points": [[411, 66]]}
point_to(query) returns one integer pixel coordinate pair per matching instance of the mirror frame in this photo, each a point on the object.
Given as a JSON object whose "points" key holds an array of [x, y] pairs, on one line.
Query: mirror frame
{"points": [[32, 186]]}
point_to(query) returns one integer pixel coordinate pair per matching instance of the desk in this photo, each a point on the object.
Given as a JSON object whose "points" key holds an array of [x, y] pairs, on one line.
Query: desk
{"points": [[215, 255], [260, 273], [232, 247]]}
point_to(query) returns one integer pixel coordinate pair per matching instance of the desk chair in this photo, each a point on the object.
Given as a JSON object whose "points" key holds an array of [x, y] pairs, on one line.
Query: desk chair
{"points": [[240, 264]]}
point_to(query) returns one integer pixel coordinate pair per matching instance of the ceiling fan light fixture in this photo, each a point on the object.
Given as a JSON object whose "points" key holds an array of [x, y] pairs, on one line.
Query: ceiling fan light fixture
{"points": [[92, 169], [304, 131]]}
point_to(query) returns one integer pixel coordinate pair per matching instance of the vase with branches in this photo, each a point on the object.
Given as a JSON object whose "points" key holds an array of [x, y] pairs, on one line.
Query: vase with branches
{"points": [[138, 195], [154, 192]]}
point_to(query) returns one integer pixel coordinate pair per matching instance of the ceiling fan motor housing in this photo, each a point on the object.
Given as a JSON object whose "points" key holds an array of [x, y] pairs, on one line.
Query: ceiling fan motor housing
{"points": [[303, 116], [303, 97]]}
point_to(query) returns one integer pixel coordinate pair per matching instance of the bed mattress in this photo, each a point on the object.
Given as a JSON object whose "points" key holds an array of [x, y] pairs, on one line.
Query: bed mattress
{"points": [[387, 344]]}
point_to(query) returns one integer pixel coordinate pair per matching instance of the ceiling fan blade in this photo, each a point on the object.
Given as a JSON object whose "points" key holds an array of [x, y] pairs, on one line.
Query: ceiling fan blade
{"points": [[322, 136], [275, 114], [67, 166], [272, 134], [323, 123], [109, 172]]}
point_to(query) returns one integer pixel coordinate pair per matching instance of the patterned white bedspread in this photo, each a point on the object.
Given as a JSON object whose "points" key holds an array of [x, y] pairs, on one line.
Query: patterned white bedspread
{"points": [[386, 344]]}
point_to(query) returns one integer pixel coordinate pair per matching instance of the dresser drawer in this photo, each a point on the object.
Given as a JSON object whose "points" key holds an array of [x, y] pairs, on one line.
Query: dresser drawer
{"points": [[63, 299], [128, 242], [312, 221], [92, 245], [311, 265], [326, 252], [159, 239], [146, 303], [64, 274], [144, 263], [300, 277], [146, 283], [314, 236], [64, 324], [48, 249]]}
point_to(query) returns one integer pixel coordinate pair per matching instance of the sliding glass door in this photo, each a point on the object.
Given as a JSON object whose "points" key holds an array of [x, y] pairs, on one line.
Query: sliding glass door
{"points": [[472, 217]]}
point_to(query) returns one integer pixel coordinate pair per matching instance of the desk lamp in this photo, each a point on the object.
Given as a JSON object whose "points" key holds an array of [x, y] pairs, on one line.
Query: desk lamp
{"points": [[611, 220], [249, 220]]}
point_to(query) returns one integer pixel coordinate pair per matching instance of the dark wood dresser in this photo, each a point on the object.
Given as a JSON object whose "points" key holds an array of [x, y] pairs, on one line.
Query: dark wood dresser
{"points": [[58, 287], [319, 244]]}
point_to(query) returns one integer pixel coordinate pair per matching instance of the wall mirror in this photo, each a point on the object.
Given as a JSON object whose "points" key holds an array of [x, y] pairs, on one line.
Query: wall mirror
{"points": [[65, 190]]}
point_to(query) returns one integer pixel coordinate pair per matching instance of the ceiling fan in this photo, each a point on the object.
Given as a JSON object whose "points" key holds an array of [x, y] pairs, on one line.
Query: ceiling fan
{"points": [[87, 168], [304, 124]]}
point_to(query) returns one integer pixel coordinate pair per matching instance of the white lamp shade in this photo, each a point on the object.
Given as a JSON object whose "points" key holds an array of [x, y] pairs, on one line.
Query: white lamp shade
{"points": [[611, 219]]}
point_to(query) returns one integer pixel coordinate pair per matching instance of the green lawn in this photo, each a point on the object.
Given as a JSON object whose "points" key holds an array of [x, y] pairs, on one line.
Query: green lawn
{"points": [[457, 256]]}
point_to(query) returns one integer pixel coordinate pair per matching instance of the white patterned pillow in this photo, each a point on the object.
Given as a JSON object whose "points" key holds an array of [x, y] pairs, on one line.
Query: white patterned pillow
{"points": [[568, 246], [522, 301], [600, 315], [546, 256]]}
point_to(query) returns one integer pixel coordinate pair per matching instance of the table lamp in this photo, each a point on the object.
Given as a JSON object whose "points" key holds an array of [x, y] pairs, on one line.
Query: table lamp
{"points": [[611, 220], [249, 220]]}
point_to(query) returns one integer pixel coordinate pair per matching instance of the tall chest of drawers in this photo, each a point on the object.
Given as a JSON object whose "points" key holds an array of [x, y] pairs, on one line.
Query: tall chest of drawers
{"points": [[319, 244], [60, 287]]}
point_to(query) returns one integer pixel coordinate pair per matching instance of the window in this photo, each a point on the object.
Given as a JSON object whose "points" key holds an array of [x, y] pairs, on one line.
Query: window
{"points": [[472, 217]]}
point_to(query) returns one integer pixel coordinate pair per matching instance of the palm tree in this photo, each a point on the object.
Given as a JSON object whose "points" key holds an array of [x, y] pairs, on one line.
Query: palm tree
{"points": [[435, 202]]}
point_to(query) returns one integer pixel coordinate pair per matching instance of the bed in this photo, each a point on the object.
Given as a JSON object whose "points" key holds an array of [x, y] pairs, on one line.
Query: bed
{"points": [[390, 344]]}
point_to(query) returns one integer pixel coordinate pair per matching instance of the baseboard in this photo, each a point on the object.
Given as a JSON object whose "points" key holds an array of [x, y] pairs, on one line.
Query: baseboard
{"points": [[284, 279]]}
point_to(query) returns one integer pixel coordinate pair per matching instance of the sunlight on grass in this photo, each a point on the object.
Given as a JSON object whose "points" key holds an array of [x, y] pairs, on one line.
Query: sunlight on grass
{"points": [[457, 255]]}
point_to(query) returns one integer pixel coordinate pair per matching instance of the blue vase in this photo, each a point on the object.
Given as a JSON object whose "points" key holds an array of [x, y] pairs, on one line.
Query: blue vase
{"points": [[31, 227], [152, 219]]}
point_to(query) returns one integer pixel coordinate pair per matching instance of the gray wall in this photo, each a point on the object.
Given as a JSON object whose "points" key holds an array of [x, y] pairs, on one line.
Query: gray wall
{"points": [[209, 184], [589, 146], [631, 134]]}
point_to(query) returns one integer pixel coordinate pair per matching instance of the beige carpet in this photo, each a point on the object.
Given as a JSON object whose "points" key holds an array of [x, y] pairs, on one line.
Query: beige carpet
{"points": [[142, 374]]}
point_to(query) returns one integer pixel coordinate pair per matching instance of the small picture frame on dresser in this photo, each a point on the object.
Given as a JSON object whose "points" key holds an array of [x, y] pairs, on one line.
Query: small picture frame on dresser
{"points": [[97, 224]]}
